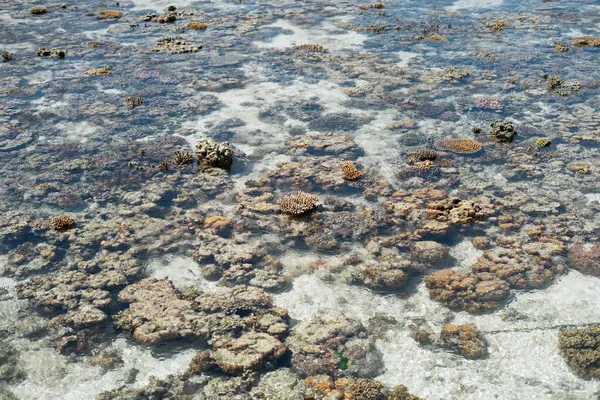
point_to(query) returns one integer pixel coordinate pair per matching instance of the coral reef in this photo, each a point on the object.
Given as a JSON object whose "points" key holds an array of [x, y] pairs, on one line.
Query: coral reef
{"points": [[585, 258], [62, 222], [335, 346], [37, 10], [542, 142], [175, 46], [350, 172], [212, 154], [503, 132], [109, 14], [183, 157], [458, 145], [421, 155], [580, 347], [195, 25], [466, 340], [316, 48], [134, 102], [586, 41], [102, 71], [56, 53], [297, 203], [463, 290]]}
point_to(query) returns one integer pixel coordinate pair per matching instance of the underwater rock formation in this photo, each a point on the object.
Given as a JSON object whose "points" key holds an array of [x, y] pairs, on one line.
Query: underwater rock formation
{"points": [[335, 346]]}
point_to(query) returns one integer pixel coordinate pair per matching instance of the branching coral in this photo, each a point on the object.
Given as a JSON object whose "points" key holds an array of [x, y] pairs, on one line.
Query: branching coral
{"points": [[350, 172], [214, 154], [62, 222]]}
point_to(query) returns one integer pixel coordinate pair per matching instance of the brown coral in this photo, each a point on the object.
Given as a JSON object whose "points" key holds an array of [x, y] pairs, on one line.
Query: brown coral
{"points": [[214, 154], [317, 48], [133, 102], [463, 290], [350, 172], [585, 41], [37, 10], [455, 210], [183, 157], [458, 145], [297, 203], [62, 222], [104, 71], [421, 155], [581, 350], [466, 340], [110, 14], [198, 26]]}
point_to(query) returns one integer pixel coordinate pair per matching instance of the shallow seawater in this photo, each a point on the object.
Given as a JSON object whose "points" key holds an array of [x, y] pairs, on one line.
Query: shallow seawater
{"points": [[153, 243]]}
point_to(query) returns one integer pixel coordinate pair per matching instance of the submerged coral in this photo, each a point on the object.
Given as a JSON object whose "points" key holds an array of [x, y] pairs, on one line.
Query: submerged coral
{"points": [[458, 145], [466, 340], [503, 132], [214, 154], [581, 350], [350, 172], [62, 222], [421, 155], [110, 14], [297, 203]]}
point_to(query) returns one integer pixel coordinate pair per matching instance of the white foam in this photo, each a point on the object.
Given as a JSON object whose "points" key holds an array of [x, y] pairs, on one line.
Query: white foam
{"points": [[51, 375], [524, 362], [591, 197], [77, 131], [474, 5], [326, 34], [182, 271], [465, 254]]}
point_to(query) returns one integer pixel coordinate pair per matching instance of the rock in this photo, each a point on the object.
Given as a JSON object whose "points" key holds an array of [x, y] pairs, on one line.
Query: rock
{"points": [[466, 291], [466, 340], [586, 41], [106, 358], [38, 10], [158, 312], [334, 345], [581, 350], [281, 384], [248, 352], [202, 362], [585, 258], [430, 253], [10, 370]]}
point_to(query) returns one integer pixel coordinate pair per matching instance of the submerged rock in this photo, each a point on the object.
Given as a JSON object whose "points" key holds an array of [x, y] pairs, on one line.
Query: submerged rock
{"points": [[248, 352], [585, 258], [336, 346]]}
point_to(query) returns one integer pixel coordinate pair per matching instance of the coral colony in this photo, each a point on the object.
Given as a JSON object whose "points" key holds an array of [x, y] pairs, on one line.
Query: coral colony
{"points": [[301, 200]]}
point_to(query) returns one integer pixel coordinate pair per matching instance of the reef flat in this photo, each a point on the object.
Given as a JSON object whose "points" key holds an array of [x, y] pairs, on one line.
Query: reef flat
{"points": [[300, 200]]}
